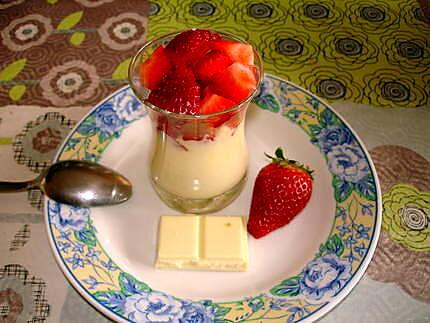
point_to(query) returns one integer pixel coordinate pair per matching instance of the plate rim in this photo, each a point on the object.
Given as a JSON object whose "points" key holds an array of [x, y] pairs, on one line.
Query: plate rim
{"points": [[88, 297], [358, 275], [318, 314]]}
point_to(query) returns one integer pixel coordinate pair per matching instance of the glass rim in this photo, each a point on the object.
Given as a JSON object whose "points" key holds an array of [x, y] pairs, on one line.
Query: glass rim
{"points": [[237, 106]]}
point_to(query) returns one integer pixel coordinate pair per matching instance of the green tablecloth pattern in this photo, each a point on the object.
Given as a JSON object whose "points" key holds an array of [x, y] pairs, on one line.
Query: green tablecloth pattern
{"points": [[372, 52]]}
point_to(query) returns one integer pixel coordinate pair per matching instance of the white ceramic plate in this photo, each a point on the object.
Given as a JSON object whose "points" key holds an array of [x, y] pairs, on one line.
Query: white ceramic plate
{"points": [[296, 273]]}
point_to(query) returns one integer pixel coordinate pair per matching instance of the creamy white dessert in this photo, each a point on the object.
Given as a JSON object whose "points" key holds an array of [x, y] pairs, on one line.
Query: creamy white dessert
{"points": [[202, 242], [200, 169]]}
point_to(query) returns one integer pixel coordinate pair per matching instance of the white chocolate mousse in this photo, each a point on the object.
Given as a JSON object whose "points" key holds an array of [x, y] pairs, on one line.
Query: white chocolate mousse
{"points": [[200, 169]]}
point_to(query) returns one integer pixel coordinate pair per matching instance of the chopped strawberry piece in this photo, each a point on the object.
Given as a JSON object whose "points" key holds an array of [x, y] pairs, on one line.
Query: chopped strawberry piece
{"points": [[238, 52], [190, 45], [210, 64], [155, 68], [178, 92], [236, 82], [206, 91], [212, 103], [215, 103], [198, 73]]}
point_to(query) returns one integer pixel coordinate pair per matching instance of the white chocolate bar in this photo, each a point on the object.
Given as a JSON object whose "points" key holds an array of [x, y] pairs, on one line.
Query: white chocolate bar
{"points": [[202, 242]]}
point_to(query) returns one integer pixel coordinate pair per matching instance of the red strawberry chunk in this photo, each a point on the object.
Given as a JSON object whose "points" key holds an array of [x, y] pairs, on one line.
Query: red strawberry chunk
{"points": [[215, 103], [178, 92], [238, 52], [155, 68], [191, 45], [236, 82], [210, 64], [206, 91], [212, 103]]}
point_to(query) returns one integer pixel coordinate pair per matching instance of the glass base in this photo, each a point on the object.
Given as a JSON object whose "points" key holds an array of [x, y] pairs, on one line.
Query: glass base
{"points": [[200, 206]]}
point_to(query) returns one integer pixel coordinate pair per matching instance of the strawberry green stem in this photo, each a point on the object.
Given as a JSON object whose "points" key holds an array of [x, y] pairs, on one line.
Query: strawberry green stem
{"points": [[281, 160]]}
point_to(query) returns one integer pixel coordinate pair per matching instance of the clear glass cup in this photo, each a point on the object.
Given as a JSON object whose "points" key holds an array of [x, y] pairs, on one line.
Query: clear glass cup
{"points": [[199, 162]]}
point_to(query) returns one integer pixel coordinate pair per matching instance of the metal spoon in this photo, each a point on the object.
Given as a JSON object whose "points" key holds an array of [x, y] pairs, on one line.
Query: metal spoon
{"points": [[78, 183]]}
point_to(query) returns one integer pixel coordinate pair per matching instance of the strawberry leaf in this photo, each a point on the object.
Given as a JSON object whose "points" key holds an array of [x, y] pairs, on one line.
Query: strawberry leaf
{"points": [[281, 160], [279, 154]]}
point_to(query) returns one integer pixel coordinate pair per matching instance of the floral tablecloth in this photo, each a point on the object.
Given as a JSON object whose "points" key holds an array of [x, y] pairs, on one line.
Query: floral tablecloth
{"points": [[370, 59]]}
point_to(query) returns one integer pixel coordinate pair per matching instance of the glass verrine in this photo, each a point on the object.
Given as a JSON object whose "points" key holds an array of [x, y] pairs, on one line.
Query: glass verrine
{"points": [[198, 162]]}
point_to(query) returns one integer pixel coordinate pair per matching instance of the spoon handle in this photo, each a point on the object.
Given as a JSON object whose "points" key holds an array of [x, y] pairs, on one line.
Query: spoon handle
{"points": [[12, 187]]}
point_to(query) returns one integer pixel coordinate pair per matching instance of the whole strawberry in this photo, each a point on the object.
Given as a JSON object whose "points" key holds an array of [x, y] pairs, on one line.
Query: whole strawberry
{"points": [[281, 190]]}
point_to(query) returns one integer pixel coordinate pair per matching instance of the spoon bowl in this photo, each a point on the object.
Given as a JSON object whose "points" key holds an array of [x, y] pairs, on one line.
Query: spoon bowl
{"points": [[78, 183]]}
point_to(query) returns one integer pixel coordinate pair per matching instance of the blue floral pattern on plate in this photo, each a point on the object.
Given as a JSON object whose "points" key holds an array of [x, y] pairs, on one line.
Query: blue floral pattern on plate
{"points": [[339, 261]]}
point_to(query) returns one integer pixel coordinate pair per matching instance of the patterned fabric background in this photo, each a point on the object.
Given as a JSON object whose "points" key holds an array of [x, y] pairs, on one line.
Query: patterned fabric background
{"points": [[369, 51], [372, 52], [57, 59], [68, 52]]}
